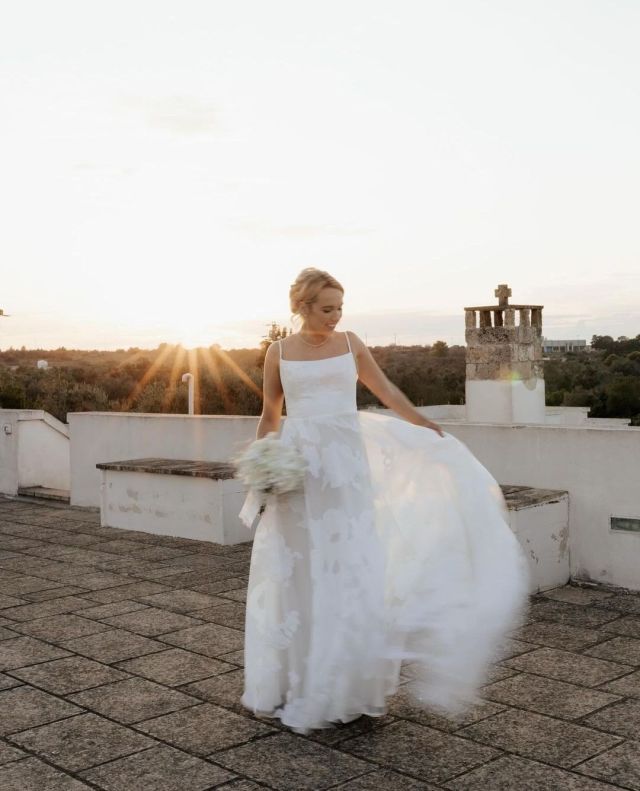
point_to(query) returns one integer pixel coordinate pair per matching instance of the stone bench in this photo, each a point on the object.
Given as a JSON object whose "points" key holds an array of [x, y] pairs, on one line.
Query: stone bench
{"points": [[201, 500], [173, 497], [539, 519]]}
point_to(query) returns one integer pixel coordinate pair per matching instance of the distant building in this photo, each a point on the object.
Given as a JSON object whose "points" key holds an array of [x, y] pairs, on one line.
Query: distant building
{"points": [[42, 364], [549, 346]]}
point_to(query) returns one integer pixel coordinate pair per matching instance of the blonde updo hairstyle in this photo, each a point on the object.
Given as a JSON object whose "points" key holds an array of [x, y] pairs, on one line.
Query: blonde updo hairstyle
{"points": [[306, 287]]}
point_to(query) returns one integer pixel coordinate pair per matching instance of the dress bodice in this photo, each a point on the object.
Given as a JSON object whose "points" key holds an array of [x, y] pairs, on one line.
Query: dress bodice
{"points": [[313, 388]]}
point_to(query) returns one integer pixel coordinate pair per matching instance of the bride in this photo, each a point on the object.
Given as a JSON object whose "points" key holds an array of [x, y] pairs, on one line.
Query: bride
{"points": [[397, 548]]}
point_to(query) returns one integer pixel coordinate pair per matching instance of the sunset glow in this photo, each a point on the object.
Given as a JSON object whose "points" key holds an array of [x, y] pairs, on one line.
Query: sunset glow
{"points": [[168, 169]]}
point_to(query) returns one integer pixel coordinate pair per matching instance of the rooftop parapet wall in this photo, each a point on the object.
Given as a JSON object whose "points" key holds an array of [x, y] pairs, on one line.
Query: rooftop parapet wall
{"points": [[98, 437], [603, 484]]}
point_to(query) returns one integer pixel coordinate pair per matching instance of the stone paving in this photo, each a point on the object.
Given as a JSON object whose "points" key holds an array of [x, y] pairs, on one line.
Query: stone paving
{"points": [[121, 669]]}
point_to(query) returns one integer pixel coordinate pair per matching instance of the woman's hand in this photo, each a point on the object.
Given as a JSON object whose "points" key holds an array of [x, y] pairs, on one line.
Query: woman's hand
{"points": [[434, 426]]}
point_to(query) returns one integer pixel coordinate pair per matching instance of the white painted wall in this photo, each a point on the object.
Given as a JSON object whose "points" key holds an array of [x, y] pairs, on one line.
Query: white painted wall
{"points": [[43, 453], [34, 450], [8, 451], [505, 401], [434, 411], [174, 505], [553, 415], [114, 436], [568, 415], [611, 422], [599, 467], [543, 532]]}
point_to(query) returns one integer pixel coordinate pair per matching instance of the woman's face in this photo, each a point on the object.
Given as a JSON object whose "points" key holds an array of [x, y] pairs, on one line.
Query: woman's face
{"points": [[325, 312]]}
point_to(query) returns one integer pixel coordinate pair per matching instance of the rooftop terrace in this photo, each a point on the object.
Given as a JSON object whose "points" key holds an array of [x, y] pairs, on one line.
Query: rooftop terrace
{"points": [[121, 660]]}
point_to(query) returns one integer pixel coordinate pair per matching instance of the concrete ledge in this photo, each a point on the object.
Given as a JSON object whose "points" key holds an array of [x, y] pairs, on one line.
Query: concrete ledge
{"points": [[518, 497], [44, 493], [217, 471]]}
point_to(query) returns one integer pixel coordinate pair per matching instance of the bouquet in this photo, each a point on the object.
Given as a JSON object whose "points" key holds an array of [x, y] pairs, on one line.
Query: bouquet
{"points": [[268, 466]]}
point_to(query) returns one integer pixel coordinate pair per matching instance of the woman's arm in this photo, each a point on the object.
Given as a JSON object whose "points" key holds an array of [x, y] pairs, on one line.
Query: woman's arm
{"points": [[272, 393], [371, 375]]}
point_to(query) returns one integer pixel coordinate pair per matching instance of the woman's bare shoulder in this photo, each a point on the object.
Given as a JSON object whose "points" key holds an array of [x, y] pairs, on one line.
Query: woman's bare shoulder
{"points": [[272, 357], [357, 344]]}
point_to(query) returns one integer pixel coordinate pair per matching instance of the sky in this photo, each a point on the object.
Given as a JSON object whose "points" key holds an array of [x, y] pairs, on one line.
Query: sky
{"points": [[167, 168]]}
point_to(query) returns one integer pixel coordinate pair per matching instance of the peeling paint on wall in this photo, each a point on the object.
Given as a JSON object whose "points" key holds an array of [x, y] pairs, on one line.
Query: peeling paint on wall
{"points": [[564, 541], [133, 509]]}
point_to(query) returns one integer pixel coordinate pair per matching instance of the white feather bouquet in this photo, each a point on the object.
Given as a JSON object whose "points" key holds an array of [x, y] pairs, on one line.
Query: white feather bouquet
{"points": [[268, 466]]}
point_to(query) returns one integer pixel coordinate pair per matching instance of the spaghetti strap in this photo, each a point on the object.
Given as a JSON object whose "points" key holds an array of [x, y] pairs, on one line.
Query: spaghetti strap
{"points": [[355, 362], [280, 347]]}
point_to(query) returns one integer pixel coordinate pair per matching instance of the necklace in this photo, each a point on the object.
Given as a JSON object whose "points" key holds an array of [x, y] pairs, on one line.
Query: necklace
{"points": [[314, 345]]}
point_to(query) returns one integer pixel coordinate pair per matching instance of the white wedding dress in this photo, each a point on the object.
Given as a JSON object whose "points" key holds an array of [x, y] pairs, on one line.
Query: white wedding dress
{"points": [[397, 549]]}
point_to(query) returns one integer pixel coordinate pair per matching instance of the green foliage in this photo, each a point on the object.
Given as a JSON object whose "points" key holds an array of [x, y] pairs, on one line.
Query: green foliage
{"points": [[622, 345], [275, 333], [602, 342], [555, 397], [12, 391], [427, 375], [607, 380], [623, 397], [152, 398], [440, 349], [230, 382], [54, 389]]}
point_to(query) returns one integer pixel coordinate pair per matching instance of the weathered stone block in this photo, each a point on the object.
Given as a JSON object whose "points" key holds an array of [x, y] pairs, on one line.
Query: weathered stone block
{"points": [[470, 319], [489, 354], [502, 353], [524, 352], [499, 335], [522, 370], [488, 371], [474, 355], [525, 334], [482, 371]]}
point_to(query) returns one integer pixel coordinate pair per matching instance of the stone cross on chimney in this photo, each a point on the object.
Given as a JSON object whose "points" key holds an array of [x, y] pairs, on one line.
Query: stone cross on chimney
{"points": [[503, 292]]}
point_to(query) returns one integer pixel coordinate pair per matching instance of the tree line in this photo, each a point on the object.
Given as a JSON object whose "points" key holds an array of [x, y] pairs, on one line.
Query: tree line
{"points": [[607, 379]]}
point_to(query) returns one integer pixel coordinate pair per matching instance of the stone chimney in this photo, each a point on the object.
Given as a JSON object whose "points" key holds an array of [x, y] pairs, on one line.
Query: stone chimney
{"points": [[505, 378]]}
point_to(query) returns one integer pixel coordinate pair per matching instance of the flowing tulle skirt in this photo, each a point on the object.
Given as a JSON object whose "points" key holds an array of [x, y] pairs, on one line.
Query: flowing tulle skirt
{"points": [[397, 549]]}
